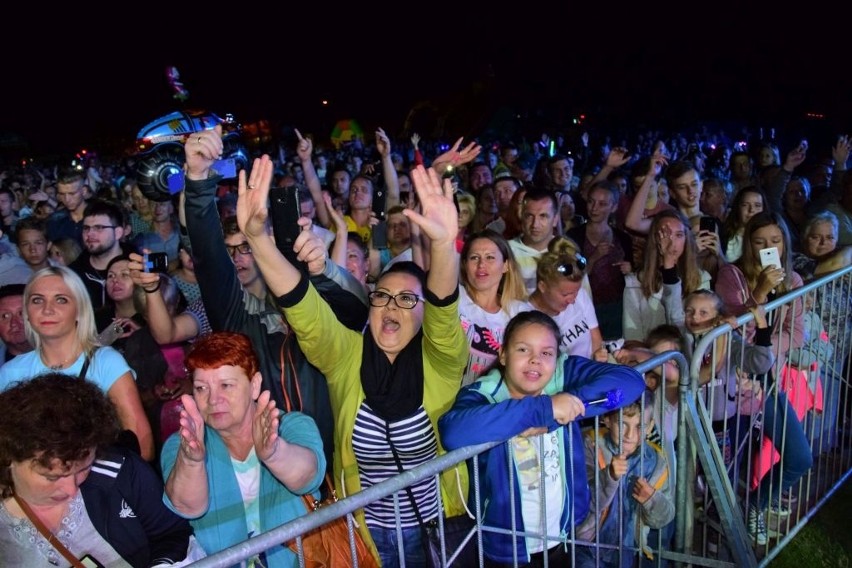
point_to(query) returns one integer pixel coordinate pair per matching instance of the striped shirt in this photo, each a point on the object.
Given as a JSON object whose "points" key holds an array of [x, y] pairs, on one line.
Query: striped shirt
{"points": [[415, 443]]}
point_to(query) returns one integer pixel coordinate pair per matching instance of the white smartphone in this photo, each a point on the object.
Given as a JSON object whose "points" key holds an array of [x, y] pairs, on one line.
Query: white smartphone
{"points": [[770, 257]]}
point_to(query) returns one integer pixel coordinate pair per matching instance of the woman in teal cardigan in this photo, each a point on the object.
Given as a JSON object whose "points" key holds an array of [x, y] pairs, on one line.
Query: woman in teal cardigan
{"points": [[238, 466]]}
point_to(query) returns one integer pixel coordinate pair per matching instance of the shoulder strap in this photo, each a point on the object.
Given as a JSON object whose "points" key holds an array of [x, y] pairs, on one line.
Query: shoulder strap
{"points": [[85, 369], [45, 532], [401, 470]]}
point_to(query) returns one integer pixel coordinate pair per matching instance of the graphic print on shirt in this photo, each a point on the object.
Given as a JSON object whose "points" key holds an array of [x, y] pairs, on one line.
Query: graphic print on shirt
{"points": [[484, 347]]}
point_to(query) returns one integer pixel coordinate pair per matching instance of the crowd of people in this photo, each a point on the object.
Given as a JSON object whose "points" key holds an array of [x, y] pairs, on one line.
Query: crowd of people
{"points": [[493, 292]]}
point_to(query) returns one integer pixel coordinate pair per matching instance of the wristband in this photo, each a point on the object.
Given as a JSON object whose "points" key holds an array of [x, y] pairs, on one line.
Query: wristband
{"points": [[152, 290]]}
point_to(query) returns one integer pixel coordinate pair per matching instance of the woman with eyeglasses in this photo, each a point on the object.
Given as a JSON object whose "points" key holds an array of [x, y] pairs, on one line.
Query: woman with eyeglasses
{"points": [[391, 383], [560, 294]]}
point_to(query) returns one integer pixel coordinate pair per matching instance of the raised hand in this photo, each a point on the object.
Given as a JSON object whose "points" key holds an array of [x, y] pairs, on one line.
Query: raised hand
{"points": [[658, 161], [147, 280], [191, 430], [201, 150], [796, 156], [304, 148], [253, 197], [264, 428], [415, 141], [439, 218], [840, 151], [310, 248], [336, 217], [383, 144], [617, 157], [455, 157], [768, 279]]}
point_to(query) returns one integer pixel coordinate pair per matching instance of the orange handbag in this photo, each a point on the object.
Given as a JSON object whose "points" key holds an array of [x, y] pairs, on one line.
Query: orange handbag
{"points": [[328, 546]]}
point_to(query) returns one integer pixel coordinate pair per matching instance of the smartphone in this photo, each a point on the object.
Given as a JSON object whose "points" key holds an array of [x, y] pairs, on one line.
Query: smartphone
{"points": [[379, 235], [707, 224], [155, 262], [770, 257], [380, 200], [284, 210]]}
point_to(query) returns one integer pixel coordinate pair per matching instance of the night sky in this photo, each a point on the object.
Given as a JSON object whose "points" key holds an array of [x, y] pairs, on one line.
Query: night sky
{"points": [[98, 85]]}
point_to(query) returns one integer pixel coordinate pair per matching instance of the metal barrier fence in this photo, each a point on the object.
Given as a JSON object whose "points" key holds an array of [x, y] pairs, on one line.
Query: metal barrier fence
{"points": [[712, 474], [802, 425]]}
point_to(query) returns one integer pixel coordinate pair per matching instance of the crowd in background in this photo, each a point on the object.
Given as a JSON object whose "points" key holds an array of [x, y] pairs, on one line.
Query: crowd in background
{"points": [[631, 245]]}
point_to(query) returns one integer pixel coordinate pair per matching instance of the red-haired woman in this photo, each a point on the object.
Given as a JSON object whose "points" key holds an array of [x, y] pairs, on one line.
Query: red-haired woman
{"points": [[234, 439]]}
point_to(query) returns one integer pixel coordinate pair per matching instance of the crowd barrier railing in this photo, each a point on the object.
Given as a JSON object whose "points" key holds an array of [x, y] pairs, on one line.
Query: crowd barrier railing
{"points": [[711, 475], [808, 437]]}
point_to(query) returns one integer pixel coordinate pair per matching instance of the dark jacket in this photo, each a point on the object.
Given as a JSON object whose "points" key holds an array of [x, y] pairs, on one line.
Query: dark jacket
{"points": [[230, 308], [124, 499], [94, 279]]}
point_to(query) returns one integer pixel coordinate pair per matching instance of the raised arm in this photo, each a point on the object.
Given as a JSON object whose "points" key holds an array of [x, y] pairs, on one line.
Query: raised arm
{"points": [[305, 149], [454, 157], [635, 220], [252, 215], [164, 327], [388, 170], [439, 222], [615, 158], [183, 462], [341, 232]]}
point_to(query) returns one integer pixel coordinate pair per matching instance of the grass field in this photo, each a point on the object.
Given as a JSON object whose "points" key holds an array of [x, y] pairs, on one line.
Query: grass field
{"points": [[826, 540]]}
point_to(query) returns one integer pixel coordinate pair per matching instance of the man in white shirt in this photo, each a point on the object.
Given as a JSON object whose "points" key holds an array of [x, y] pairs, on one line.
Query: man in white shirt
{"points": [[538, 221]]}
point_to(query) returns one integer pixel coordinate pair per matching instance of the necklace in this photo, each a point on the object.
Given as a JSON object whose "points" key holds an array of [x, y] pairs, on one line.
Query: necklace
{"points": [[61, 365]]}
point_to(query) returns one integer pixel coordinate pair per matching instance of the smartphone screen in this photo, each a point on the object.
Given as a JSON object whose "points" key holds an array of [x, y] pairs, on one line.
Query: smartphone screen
{"points": [[284, 210], [707, 224], [379, 235], [155, 262], [379, 202]]}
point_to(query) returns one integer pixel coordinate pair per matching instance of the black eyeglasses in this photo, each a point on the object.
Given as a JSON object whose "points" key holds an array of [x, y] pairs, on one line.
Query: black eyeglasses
{"points": [[242, 248], [404, 300], [567, 268], [97, 228]]}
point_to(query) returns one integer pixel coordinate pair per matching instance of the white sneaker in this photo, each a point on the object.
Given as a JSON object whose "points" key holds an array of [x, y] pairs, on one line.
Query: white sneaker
{"points": [[757, 526]]}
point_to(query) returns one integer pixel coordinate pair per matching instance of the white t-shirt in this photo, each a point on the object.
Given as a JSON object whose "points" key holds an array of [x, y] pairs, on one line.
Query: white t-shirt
{"points": [[484, 332], [576, 323], [527, 452]]}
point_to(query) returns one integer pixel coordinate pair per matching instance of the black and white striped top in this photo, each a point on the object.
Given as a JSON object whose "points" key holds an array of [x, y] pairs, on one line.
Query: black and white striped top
{"points": [[415, 442]]}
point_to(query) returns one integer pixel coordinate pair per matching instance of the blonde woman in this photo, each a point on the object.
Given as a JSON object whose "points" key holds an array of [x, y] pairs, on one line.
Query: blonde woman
{"points": [[492, 291], [560, 294], [60, 325]]}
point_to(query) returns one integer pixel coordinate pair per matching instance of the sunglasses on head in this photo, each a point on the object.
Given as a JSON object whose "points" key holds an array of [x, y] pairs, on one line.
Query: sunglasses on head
{"points": [[567, 268]]}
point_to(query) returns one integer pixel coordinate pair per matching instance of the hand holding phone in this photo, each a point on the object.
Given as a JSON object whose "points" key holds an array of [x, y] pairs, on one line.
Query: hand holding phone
{"points": [[155, 262], [769, 257], [707, 223]]}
